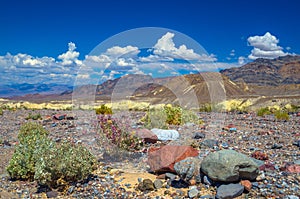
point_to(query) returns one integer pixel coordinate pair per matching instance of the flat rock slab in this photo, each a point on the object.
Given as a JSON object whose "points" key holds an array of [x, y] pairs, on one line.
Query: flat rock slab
{"points": [[229, 191]]}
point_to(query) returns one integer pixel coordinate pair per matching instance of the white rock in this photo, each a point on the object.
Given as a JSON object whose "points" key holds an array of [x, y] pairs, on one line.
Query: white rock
{"points": [[164, 135]]}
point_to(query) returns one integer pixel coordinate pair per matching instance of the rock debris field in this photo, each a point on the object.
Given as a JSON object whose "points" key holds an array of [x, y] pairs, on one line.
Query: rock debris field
{"points": [[229, 155]]}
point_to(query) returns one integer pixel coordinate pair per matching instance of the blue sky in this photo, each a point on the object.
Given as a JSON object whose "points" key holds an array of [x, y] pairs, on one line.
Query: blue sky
{"points": [[50, 39]]}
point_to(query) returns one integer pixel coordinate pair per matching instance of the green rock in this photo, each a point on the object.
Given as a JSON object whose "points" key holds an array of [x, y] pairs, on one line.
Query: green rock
{"points": [[229, 166]]}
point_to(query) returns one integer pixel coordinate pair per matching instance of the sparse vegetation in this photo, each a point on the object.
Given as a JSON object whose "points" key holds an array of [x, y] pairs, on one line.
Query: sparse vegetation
{"points": [[206, 108], [263, 111], [119, 136], [1, 111], [281, 115], [62, 163], [22, 164], [34, 116], [39, 158], [104, 110], [168, 115]]}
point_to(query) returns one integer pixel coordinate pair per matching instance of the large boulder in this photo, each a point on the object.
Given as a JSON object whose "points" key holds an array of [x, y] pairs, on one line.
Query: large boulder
{"points": [[162, 159], [229, 166], [165, 135]]}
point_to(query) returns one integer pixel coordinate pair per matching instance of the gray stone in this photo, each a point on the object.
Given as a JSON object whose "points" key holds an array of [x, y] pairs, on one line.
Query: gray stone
{"points": [[229, 191], [258, 162], [207, 180], [146, 185], [297, 143], [165, 135], [211, 143], [52, 194], [276, 146], [229, 166], [297, 162], [199, 135], [188, 168], [157, 184], [291, 197], [193, 192]]}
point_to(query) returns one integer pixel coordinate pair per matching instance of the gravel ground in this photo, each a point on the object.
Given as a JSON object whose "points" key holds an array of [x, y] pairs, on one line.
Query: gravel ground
{"points": [[274, 138]]}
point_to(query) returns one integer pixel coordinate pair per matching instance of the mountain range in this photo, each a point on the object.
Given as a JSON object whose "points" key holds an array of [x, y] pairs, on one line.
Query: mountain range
{"points": [[262, 77]]}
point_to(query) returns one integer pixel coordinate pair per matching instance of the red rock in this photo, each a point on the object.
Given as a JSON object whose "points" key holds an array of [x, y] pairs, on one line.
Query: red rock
{"points": [[147, 135], [293, 168], [267, 166], [247, 184], [163, 159], [259, 155], [59, 116], [192, 182], [230, 126]]}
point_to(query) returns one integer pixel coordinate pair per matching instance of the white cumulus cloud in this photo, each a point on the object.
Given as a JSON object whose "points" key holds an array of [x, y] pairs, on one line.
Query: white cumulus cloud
{"points": [[165, 47], [265, 46], [117, 51], [71, 56], [241, 60]]}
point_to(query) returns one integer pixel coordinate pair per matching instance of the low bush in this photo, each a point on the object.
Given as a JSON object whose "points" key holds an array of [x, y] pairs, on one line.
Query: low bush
{"points": [[62, 162], [281, 115], [39, 158], [169, 115], [119, 136], [263, 111], [103, 110], [22, 163], [34, 116]]}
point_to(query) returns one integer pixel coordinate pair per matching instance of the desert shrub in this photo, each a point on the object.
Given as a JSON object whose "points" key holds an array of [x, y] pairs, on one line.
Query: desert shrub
{"points": [[155, 118], [1, 111], [22, 163], [281, 115], [34, 116], [104, 110], [62, 162], [39, 158], [169, 115], [206, 108], [174, 115], [30, 132], [119, 136], [263, 111]]}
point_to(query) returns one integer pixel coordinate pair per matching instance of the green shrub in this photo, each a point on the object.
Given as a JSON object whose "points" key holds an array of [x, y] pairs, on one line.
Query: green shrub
{"points": [[62, 162], [34, 116], [103, 110], [169, 115], [263, 111], [1, 111], [22, 163], [39, 158], [30, 132], [280, 115], [206, 108]]}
